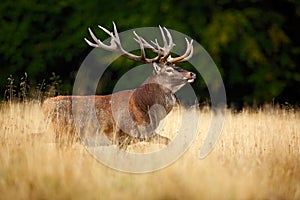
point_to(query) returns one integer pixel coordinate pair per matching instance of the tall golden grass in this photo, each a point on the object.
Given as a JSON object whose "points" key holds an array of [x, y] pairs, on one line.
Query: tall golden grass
{"points": [[257, 157]]}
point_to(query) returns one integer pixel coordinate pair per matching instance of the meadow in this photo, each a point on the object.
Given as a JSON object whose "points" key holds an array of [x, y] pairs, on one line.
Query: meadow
{"points": [[257, 157]]}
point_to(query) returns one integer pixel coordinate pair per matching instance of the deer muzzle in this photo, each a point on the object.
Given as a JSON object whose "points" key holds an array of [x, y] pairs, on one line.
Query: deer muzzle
{"points": [[191, 77]]}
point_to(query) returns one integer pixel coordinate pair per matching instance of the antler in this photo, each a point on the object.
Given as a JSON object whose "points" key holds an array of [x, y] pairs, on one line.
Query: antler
{"points": [[187, 55], [163, 53]]}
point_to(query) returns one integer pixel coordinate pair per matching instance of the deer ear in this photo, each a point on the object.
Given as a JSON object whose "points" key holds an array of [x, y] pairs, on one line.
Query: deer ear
{"points": [[156, 68]]}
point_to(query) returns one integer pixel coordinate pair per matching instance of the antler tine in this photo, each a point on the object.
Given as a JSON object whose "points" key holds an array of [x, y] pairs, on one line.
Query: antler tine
{"points": [[163, 37], [187, 55], [90, 43], [167, 46], [171, 44], [159, 48], [117, 35], [138, 39], [99, 43], [106, 31], [191, 50]]}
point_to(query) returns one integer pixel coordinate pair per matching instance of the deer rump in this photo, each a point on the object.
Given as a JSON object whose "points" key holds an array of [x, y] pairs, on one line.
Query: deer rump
{"points": [[124, 117]]}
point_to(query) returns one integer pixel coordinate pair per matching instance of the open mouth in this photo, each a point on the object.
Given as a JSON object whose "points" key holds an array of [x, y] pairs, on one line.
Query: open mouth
{"points": [[190, 80]]}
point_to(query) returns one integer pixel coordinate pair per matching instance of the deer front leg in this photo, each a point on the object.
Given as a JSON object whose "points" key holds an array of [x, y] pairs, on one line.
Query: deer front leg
{"points": [[158, 139], [129, 140], [122, 140]]}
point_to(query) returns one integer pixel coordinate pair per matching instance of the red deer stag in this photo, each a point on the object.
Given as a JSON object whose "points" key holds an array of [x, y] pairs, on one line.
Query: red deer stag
{"points": [[129, 116]]}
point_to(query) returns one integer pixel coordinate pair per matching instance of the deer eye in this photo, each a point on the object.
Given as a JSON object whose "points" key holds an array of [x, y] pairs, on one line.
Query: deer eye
{"points": [[169, 69]]}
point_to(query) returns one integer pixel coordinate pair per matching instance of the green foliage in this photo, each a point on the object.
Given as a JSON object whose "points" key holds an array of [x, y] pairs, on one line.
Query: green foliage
{"points": [[254, 43]]}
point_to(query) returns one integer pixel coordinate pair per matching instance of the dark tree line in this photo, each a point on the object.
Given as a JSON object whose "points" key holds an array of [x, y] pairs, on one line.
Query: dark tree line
{"points": [[254, 43]]}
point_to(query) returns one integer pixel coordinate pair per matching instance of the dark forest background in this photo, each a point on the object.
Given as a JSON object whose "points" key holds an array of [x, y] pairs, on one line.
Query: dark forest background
{"points": [[254, 43]]}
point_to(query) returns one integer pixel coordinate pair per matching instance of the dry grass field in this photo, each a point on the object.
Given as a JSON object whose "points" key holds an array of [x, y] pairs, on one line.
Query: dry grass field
{"points": [[257, 157]]}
